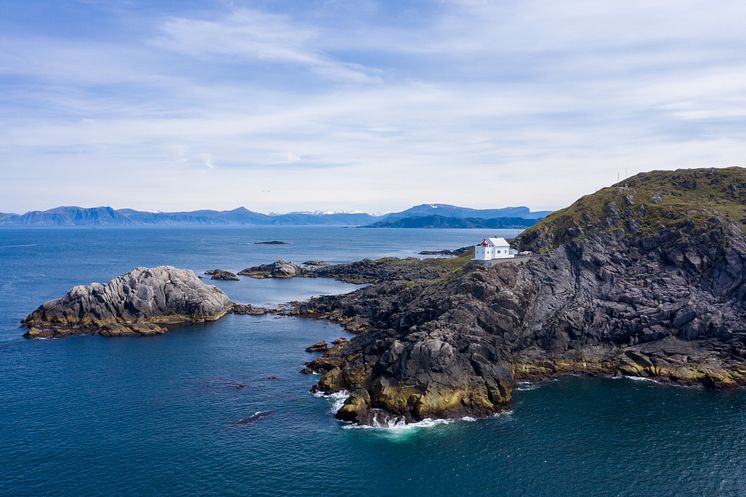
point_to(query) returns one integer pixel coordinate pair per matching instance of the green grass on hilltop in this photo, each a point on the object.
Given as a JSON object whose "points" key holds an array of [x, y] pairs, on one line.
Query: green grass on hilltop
{"points": [[655, 201]]}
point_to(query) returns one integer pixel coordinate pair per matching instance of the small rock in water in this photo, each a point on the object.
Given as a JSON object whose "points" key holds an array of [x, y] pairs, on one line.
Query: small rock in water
{"points": [[319, 346], [220, 274], [271, 242], [278, 269]]}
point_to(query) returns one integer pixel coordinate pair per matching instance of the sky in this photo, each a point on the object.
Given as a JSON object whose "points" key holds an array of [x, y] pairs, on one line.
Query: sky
{"points": [[360, 105]]}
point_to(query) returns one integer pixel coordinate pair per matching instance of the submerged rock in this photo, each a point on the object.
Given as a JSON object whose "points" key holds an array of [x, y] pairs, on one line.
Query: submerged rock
{"points": [[257, 416], [139, 302]]}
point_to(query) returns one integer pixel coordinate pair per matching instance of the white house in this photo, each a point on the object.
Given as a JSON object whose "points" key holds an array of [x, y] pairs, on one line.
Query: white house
{"points": [[493, 248]]}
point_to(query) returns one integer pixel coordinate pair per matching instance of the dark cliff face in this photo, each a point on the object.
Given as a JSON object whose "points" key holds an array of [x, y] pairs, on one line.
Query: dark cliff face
{"points": [[661, 255], [642, 279]]}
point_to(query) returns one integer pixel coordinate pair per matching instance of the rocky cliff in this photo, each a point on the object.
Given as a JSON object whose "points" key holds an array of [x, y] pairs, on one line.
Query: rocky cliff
{"points": [[140, 302], [643, 278]]}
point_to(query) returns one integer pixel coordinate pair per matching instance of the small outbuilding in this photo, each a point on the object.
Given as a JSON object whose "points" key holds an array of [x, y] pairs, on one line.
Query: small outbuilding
{"points": [[493, 248]]}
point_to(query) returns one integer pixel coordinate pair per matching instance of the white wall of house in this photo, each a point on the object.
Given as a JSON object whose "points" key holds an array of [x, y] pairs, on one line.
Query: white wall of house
{"points": [[495, 248]]}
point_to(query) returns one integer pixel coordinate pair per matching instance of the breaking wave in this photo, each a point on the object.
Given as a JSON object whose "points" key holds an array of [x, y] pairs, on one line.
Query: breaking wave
{"points": [[337, 399], [637, 378]]}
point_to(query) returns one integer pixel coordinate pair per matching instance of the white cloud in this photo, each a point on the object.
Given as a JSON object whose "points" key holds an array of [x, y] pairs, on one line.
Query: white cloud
{"points": [[533, 102], [254, 35]]}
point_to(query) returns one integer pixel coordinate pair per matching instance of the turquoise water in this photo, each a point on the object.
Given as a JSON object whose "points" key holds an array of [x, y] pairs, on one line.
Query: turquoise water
{"points": [[159, 416]]}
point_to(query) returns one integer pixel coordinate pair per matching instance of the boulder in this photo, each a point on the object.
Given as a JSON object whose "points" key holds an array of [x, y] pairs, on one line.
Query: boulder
{"points": [[355, 407]]}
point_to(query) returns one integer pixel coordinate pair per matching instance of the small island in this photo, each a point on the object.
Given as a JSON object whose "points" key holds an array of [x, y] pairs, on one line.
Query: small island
{"points": [[140, 302]]}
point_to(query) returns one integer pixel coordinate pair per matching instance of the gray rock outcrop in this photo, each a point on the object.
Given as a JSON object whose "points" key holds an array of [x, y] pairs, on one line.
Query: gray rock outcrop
{"points": [[140, 302], [277, 269]]}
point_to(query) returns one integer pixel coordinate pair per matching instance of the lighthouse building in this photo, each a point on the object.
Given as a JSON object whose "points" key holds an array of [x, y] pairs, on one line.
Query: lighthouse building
{"points": [[493, 248]]}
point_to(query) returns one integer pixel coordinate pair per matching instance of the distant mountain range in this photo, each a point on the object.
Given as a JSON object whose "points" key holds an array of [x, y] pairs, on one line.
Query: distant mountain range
{"points": [[454, 222], [106, 216], [445, 210]]}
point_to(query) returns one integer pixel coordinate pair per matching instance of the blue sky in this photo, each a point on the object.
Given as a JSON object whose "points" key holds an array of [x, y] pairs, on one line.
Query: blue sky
{"points": [[360, 105]]}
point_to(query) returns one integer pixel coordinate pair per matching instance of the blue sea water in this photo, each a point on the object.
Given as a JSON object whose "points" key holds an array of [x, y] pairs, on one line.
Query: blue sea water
{"points": [[89, 416]]}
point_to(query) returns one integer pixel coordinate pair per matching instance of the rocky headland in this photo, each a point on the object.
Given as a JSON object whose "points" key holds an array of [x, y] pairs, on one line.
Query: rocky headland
{"points": [[141, 302], [644, 278]]}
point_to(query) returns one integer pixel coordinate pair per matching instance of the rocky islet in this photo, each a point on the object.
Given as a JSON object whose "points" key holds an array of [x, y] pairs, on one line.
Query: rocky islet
{"points": [[141, 302]]}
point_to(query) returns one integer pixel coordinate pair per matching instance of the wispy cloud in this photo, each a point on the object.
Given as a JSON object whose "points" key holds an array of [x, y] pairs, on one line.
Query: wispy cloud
{"points": [[370, 107], [256, 36]]}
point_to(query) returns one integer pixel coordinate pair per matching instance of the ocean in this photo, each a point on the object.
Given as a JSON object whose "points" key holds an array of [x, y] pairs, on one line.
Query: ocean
{"points": [[94, 416]]}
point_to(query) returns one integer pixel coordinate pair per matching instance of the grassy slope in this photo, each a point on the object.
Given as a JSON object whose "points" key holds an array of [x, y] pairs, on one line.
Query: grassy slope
{"points": [[695, 195]]}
